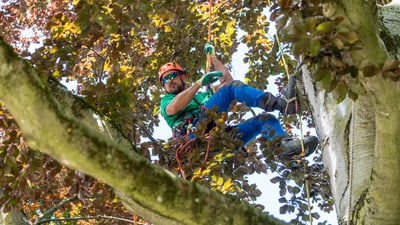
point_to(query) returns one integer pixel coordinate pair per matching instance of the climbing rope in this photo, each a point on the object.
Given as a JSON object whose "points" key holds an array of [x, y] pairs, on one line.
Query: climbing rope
{"points": [[208, 65], [351, 157], [182, 148], [185, 147], [306, 183]]}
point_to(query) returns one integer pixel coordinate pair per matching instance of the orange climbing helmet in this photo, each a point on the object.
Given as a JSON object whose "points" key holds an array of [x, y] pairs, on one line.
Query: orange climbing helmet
{"points": [[167, 67]]}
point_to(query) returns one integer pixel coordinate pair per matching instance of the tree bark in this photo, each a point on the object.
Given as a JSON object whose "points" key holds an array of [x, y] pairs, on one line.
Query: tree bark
{"points": [[71, 133], [13, 217], [360, 138]]}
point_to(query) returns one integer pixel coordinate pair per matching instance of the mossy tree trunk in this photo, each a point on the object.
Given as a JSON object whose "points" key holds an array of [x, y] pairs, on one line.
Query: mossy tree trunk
{"points": [[360, 139]]}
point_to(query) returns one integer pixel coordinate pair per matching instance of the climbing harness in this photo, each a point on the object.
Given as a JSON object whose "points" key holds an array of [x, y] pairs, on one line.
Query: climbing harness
{"points": [[185, 129]]}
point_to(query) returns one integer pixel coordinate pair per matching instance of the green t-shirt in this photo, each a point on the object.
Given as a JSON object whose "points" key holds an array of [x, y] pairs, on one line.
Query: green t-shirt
{"points": [[190, 111]]}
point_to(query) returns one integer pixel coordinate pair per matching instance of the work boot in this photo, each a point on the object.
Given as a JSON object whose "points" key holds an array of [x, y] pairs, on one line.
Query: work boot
{"points": [[287, 102], [269, 102], [292, 147]]}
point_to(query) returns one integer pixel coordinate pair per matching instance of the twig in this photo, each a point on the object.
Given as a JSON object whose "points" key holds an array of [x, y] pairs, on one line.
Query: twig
{"points": [[50, 212], [89, 218]]}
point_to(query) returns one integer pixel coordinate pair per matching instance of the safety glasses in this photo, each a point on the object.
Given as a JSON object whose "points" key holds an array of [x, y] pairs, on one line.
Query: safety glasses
{"points": [[169, 77]]}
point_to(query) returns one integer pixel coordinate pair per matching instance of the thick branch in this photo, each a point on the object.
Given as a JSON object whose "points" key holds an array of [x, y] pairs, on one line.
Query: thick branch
{"points": [[159, 196]]}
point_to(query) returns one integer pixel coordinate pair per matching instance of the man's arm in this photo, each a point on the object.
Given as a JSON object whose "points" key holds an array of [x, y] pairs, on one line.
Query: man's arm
{"points": [[182, 99], [226, 75]]}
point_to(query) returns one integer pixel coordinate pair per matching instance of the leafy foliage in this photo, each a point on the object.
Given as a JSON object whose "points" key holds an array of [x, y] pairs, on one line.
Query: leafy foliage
{"points": [[33, 183], [217, 161], [112, 49], [325, 47]]}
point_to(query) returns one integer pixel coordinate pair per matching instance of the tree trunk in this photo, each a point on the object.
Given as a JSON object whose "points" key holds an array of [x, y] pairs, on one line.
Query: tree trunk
{"points": [[360, 139], [12, 217]]}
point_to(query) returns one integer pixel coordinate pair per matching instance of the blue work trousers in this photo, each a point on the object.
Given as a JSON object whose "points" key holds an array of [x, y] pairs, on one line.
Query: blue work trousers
{"points": [[265, 124]]}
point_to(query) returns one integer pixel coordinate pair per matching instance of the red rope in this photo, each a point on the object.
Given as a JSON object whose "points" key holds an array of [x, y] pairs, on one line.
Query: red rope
{"points": [[206, 156], [181, 149], [134, 219]]}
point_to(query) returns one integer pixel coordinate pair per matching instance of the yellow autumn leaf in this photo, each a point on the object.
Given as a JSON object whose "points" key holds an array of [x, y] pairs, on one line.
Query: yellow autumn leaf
{"points": [[205, 172], [53, 50], [260, 31], [167, 28], [196, 175], [107, 9], [71, 27], [157, 22], [56, 73], [229, 29], [29, 183], [88, 66], [107, 64], [115, 37], [220, 181], [115, 200], [227, 185], [124, 68]]}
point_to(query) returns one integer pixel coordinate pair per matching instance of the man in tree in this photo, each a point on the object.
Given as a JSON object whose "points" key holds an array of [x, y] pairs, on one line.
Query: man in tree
{"points": [[183, 108]]}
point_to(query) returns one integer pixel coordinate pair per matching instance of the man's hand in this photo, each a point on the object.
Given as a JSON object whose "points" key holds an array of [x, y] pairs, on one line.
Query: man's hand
{"points": [[209, 78], [209, 49]]}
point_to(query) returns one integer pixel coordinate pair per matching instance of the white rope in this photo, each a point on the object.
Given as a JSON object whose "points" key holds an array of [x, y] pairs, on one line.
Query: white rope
{"points": [[351, 156]]}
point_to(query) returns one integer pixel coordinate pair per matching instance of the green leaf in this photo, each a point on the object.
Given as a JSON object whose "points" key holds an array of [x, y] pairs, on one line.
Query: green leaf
{"points": [[391, 65], [340, 92], [353, 96], [282, 200], [293, 190], [303, 206], [283, 209], [282, 191], [338, 43], [311, 23], [356, 88], [314, 48], [315, 215], [325, 27], [348, 37], [276, 179], [394, 76], [369, 70], [322, 75]]}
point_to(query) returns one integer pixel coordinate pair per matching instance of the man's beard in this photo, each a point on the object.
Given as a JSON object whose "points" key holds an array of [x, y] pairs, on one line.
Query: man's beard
{"points": [[178, 90]]}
